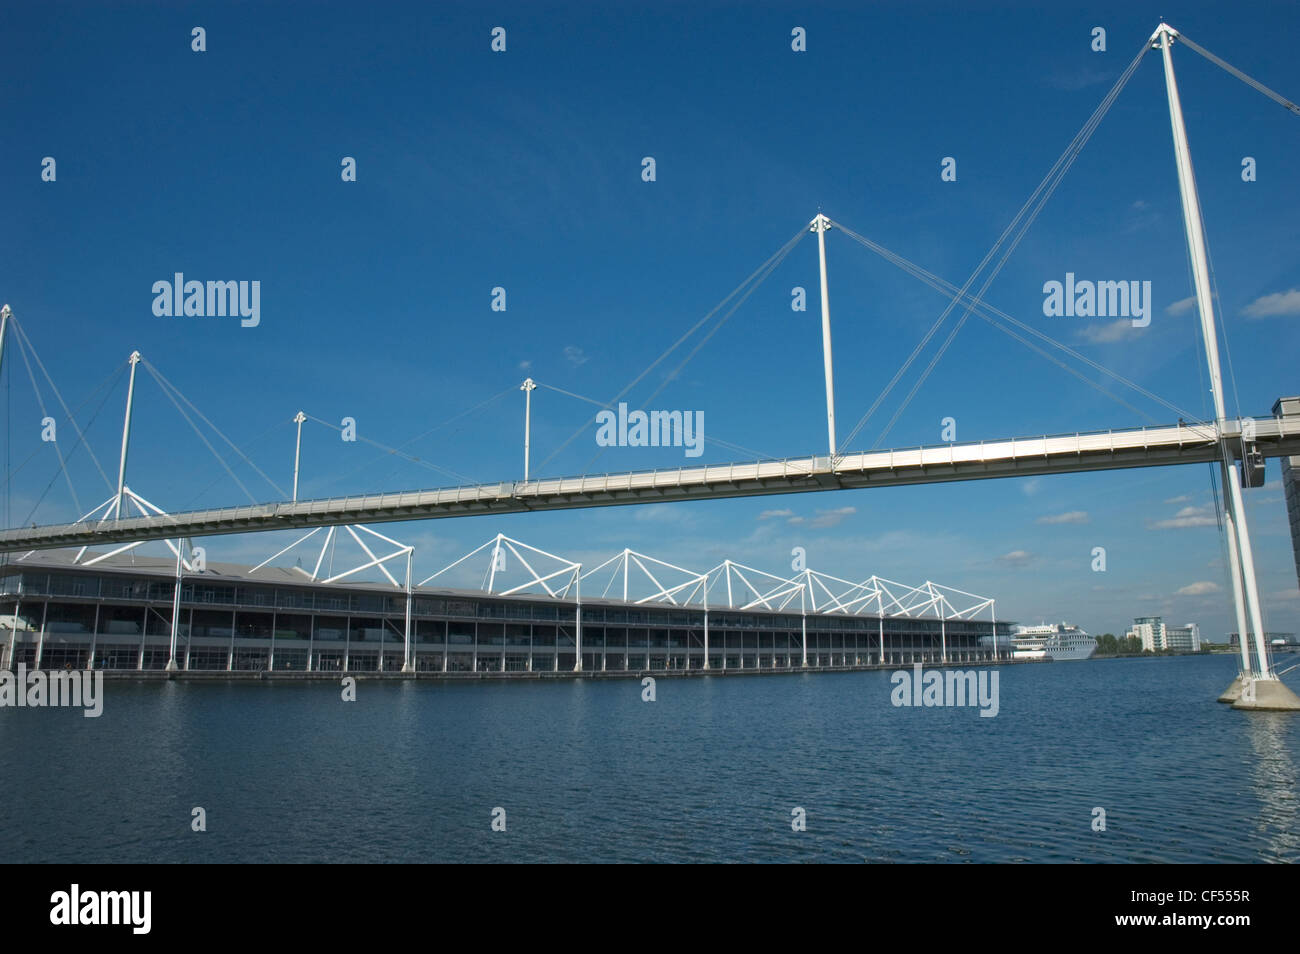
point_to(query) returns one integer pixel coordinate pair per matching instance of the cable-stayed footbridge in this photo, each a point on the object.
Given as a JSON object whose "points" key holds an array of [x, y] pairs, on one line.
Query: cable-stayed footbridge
{"points": [[1229, 442]]}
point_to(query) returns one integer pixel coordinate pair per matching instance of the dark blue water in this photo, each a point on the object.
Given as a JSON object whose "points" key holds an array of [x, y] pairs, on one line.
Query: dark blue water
{"points": [[710, 771]]}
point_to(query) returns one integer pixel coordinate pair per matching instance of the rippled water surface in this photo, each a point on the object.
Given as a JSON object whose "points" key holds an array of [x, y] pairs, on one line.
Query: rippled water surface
{"points": [[710, 771]]}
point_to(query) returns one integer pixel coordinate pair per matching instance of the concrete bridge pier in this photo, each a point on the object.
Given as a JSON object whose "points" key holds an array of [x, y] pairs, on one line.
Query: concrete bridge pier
{"points": [[1233, 692], [1266, 694]]}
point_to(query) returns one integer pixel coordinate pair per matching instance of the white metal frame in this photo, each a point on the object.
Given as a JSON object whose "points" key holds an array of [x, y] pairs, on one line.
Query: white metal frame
{"points": [[663, 593], [375, 561], [330, 535], [569, 572]]}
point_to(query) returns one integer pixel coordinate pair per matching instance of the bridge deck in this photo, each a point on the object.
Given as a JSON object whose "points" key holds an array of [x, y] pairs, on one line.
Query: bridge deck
{"points": [[1015, 457]]}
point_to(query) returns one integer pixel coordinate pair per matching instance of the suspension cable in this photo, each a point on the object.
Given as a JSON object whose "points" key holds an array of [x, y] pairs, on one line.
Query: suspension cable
{"points": [[436, 427], [762, 270], [108, 382], [1089, 129], [984, 309], [1035, 202], [40, 399], [206, 443], [121, 369], [189, 505], [59, 397], [769, 268], [757, 455], [1282, 100], [158, 376], [774, 263], [394, 451]]}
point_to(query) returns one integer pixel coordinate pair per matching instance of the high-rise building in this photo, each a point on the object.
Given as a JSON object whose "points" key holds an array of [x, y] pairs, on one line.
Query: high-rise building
{"points": [[1155, 634], [1186, 638], [1149, 629]]}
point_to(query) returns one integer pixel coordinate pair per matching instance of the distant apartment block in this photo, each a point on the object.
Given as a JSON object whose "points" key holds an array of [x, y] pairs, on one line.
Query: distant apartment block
{"points": [[1155, 634], [1291, 482]]}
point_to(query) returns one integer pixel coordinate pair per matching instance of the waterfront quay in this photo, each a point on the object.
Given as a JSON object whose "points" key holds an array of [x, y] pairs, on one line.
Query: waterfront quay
{"points": [[117, 615]]}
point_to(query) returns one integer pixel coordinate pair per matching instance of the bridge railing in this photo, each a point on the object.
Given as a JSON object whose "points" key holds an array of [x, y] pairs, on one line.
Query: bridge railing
{"points": [[785, 469]]}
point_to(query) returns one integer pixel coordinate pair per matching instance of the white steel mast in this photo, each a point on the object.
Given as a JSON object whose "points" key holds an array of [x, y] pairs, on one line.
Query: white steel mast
{"points": [[1241, 560]]}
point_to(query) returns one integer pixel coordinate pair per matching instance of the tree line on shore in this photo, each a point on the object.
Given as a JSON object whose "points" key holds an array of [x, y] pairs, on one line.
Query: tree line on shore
{"points": [[1108, 644]]}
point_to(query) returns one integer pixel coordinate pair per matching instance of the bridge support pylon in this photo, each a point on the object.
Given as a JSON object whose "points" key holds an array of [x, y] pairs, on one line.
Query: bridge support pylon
{"points": [[1257, 687], [1233, 692], [1266, 694]]}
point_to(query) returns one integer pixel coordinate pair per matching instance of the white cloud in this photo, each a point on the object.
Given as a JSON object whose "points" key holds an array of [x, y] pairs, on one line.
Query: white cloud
{"points": [[1181, 498], [769, 514], [1182, 306], [661, 513], [824, 518], [1074, 80], [1187, 517], [1110, 332], [1074, 516], [575, 355], [1199, 589], [1031, 486], [1272, 306], [831, 518], [525, 365], [1017, 558], [1291, 594]]}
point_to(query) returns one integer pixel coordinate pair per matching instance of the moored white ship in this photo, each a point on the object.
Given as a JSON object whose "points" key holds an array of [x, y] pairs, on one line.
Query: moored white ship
{"points": [[1060, 641]]}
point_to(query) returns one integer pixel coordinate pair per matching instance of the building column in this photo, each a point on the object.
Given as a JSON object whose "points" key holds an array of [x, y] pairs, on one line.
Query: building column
{"points": [[803, 629], [144, 635], [13, 633], [40, 640], [176, 608], [347, 640], [94, 634], [993, 621], [706, 635], [409, 648], [577, 659]]}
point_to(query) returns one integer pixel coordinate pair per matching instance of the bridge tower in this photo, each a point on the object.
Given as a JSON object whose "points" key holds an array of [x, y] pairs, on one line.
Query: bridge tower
{"points": [[1257, 688], [819, 225]]}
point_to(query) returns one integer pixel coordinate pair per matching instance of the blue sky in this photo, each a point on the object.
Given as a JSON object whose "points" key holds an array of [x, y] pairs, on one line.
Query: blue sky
{"points": [[522, 169]]}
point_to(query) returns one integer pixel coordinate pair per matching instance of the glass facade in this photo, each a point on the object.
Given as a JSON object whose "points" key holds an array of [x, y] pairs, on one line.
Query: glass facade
{"points": [[121, 618]]}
